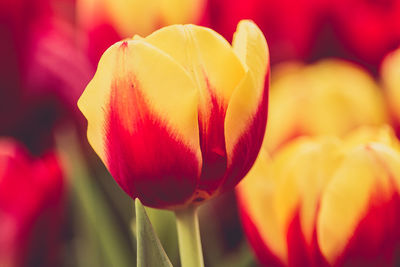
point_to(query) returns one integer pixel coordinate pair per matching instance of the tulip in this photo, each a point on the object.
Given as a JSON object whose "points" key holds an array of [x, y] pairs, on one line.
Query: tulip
{"points": [[108, 21], [390, 73], [325, 201], [179, 116], [31, 194], [328, 97]]}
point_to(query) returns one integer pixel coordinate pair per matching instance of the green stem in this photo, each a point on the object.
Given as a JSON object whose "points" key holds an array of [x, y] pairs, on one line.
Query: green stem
{"points": [[190, 250]]}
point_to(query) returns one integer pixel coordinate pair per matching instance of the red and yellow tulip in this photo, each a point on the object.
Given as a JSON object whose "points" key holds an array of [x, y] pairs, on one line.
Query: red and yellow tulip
{"points": [[325, 201], [328, 97], [390, 73], [179, 116]]}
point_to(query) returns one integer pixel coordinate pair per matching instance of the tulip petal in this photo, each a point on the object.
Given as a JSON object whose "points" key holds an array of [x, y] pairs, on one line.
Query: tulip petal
{"points": [[363, 185], [216, 71], [257, 203], [304, 167], [246, 115], [141, 109], [206, 55]]}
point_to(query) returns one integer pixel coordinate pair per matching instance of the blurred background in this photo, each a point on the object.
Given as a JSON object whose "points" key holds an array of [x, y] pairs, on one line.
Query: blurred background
{"points": [[58, 204]]}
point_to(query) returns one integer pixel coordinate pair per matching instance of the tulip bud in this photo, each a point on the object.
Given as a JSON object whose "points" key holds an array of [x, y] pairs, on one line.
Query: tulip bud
{"points": [[329, 97], [179, 116], [390, 73], [325, 201], [31, 194]]}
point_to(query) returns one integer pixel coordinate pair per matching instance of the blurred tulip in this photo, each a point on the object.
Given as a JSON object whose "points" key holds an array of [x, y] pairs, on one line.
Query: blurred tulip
{"points": [[291, 27], [367, 29], [43, 71], [390, 73], [329, 97], [108, 21], [325, 202], [31, 194], [359, 30], [179, 116], [15, 25]]}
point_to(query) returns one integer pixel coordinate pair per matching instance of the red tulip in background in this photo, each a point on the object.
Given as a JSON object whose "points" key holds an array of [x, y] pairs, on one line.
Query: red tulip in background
{"points": [[42, 71], [360, 30], [367, 29], [31, 199], [289, 26]]}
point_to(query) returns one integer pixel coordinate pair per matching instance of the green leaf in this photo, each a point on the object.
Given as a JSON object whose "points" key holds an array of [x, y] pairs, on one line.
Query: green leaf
{"points": [[150, 252], [164, 225]]}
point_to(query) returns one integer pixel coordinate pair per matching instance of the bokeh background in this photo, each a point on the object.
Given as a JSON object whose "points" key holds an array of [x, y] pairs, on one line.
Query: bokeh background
{"points": [[58, 204]]}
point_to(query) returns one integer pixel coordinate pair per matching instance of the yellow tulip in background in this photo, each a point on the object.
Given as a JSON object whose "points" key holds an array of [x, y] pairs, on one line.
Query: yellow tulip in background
{"points": [[178, 117], [131, 17], [105, 22], [325, 201], [328, 97]]}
